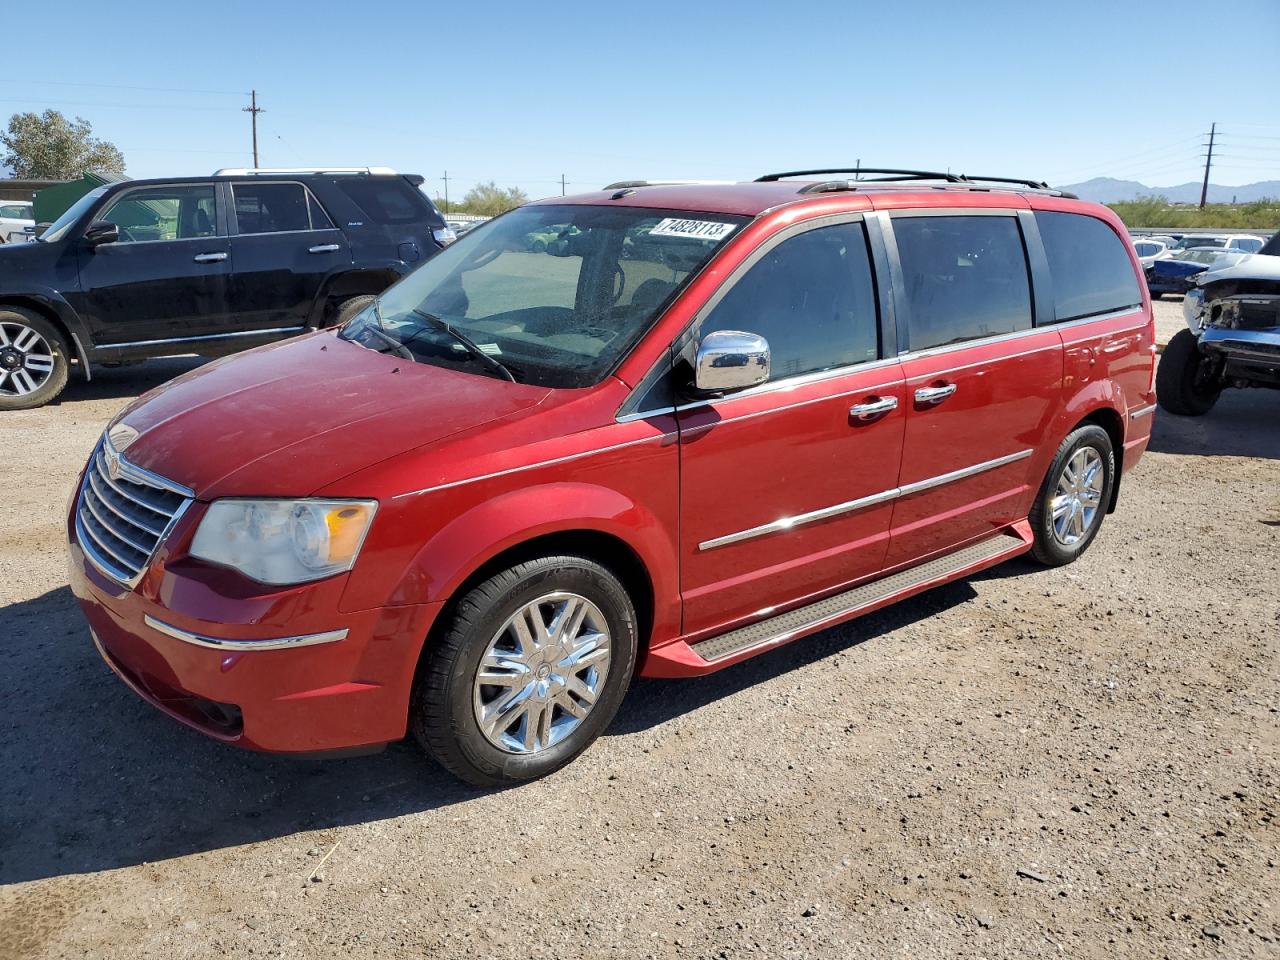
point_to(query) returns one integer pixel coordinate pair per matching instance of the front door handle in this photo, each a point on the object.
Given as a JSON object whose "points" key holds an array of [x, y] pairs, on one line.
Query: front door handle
{"points": [[210, 257], [325, 248], [873, 408], [934, 394]]}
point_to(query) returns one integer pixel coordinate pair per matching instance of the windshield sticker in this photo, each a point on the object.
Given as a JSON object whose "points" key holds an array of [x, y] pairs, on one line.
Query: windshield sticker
{"points": [[692, 229]]}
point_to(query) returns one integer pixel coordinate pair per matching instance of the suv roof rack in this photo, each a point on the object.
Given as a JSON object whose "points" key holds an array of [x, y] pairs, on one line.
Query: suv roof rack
{"points": [[892, 175], [629, 184], [258, 171]]}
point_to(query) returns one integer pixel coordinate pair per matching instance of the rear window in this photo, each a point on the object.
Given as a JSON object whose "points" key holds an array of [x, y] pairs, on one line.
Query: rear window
{"points": [[276, 208], [1089, 265], [966, 278], [386, 200]]}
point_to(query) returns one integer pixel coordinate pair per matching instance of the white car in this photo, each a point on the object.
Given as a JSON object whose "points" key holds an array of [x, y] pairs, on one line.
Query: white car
{"points": [[1235, 242], [1148, 249], [17, 221]]}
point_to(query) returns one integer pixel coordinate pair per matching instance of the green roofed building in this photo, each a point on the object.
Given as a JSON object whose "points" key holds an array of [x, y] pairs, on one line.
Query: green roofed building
{"points": [[52, 202]]}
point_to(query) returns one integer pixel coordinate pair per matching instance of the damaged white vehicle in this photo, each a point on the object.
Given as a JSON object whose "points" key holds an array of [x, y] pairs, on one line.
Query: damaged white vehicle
{"points": [[1232, 337]]}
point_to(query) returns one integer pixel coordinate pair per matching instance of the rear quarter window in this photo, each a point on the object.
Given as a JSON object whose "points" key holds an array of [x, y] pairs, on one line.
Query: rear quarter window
{"points": [[1089, 264], [387, 200]]}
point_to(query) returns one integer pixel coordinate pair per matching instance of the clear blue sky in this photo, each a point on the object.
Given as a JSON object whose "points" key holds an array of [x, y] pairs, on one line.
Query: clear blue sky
{"points": [[521, 93]]}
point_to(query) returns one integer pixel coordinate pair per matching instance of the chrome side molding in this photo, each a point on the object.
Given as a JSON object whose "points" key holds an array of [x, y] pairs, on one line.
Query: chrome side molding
{"points": [[788, 523], [241, 646]]}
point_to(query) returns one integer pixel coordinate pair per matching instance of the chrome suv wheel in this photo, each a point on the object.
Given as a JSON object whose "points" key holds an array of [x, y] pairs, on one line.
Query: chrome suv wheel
{"points": [[1071, 504], [525, 670], [33, 359], [542, 673]]}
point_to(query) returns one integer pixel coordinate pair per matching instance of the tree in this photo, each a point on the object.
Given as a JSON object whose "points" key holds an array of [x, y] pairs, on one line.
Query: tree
{"points": [[48, 146], [489, 200]]}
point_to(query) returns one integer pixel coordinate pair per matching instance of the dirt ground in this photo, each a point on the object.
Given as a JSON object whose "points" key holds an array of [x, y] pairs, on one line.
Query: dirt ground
{"points": [[1082, 762]]}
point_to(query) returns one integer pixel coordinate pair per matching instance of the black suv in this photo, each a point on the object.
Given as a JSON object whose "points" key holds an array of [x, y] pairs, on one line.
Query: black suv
{"points": [[207, 265]]}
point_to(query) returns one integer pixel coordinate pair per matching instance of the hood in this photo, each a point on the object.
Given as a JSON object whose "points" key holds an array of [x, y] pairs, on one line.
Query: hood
{"points": [[1256, 266], [292, 417]]}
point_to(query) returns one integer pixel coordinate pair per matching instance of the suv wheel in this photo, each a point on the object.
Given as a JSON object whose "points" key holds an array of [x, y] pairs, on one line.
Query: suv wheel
{"points": [[1186, 383], [531, 668], [348, 308], [1073, 498], [33, 360]]}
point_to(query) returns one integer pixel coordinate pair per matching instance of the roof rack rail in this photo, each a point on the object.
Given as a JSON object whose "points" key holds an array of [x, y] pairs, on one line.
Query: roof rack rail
{"points": [[269, 171], [629, 184], [896, 176]]}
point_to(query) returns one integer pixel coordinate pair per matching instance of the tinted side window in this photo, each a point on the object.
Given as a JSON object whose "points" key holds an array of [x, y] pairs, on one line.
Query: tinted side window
{"points": [[966, 278], [1089, 265], [812, 298], [164, 213], [319, 219], [1247, 244], [1146, 249], [388, 200], [271, 207]]}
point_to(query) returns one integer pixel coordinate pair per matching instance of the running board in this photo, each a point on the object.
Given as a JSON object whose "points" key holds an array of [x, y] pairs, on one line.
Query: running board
{"points": [[732, 646]]}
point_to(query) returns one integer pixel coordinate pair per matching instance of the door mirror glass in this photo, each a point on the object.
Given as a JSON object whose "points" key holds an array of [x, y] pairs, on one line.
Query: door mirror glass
{"points": [[731, 360], [100, 232]]}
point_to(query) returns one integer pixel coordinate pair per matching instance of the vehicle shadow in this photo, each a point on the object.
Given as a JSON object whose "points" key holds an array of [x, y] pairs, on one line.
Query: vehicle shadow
{"points": [[1243, 423], [126, 381], [95, 779]]}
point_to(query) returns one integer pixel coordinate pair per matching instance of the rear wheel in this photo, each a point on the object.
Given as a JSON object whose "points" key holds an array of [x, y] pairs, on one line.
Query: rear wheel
{"points": [[1073, 498], [1187, 383], [348, 308], [531, 668], [33, 360]]}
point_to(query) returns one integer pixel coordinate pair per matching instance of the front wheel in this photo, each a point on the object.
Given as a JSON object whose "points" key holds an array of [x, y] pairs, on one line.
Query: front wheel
{"points": [[1186, 382], [34, 366], [1073, 499], [530, 669]]}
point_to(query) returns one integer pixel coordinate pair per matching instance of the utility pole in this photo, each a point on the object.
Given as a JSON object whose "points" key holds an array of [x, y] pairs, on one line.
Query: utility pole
{"points": [[253, 110], [857, 169], [562, 183], [446, 191], [1208, 161]]}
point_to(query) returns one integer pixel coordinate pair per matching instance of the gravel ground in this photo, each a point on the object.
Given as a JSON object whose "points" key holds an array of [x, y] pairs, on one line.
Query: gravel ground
{"points": [[1082, 762]]}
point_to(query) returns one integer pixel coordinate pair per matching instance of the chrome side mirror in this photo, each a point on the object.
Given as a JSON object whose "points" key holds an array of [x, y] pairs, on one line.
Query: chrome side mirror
{"points": [[731, 360]]}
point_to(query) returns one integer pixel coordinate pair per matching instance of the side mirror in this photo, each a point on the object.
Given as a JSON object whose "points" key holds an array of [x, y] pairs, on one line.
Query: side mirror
{"points": [[100, 232], [731, 360]]}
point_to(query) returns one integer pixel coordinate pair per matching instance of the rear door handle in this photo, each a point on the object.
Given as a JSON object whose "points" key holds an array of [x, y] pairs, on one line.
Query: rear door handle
{"points": [[209, 257], [873, 408], [934, 394], [325, 248]]}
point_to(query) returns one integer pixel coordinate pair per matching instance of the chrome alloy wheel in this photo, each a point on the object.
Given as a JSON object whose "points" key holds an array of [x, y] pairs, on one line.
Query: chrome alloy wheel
{"points": [[26, 360], [1078, 496], [542, 673]]}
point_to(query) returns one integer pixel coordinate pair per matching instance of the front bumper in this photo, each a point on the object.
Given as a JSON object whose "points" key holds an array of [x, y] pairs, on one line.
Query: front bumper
{"points": [[339, 693]]}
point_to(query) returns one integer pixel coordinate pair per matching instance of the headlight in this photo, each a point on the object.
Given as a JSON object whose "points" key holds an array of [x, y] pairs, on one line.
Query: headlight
{"points": [[284, 541]]}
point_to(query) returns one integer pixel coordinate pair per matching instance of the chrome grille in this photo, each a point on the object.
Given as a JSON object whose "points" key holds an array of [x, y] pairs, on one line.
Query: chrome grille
{"points": [[124, 513]]}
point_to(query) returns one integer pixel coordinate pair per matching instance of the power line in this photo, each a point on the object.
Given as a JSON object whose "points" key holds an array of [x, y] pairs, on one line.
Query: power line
{"points": [[123, 86], [98, 103]]}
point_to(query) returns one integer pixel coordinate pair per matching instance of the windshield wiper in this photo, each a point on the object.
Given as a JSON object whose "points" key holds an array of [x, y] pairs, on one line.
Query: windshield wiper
{"points": [[472, 347], [380, 332]]}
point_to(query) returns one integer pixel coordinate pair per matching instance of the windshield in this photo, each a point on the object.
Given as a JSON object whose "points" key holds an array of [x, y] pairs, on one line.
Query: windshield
{"points": [[1186, 243], [555, 294], [58, 229]]}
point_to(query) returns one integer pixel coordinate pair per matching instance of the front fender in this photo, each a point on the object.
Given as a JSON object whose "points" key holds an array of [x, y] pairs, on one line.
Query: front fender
{"points": [[479, 534], [50, 302]]}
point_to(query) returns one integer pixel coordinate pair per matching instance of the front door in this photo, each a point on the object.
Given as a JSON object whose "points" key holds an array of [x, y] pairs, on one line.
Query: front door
{"points": [[285, 247], [166, 278], [982, 385], [787, 488]]}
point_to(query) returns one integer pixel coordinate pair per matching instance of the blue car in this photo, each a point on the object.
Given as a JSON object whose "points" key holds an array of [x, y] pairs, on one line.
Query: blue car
{"points": [[1174, 274], [1232, 337]]}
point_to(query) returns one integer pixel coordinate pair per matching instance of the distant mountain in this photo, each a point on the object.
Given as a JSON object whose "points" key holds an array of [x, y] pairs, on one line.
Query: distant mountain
{"points": [[1110, 190]]}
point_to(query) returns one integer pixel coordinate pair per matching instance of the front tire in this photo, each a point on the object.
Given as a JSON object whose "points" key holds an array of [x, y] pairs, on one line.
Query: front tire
{"points": [[1073, 499], [531, 668], [349, 308], [34, 366], [1183, 384]]}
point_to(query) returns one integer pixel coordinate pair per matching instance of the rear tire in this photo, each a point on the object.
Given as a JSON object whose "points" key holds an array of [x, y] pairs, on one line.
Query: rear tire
{"points": [[1073, 499], [350, 307], [34, 366], [1180, 378], [557, 636]]}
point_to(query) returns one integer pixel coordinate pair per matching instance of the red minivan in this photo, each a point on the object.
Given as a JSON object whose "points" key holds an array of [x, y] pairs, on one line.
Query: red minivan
{"points": [[656, 429]]}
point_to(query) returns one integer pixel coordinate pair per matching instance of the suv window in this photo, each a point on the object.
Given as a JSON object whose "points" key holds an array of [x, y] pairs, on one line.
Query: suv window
{"points": [[276, 208], [386, 200], [15, 211], [966, 277], [1247, 244], [812, 298], [1089, 265], [1146, 249], [164, 213]]}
